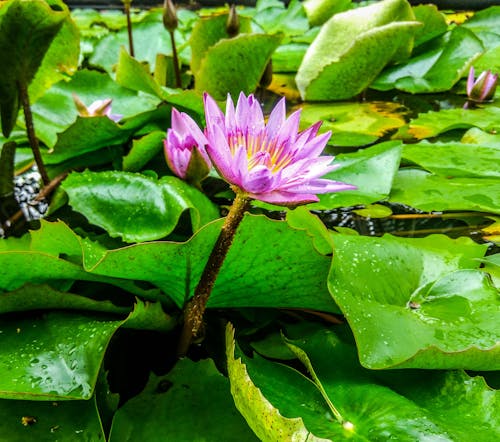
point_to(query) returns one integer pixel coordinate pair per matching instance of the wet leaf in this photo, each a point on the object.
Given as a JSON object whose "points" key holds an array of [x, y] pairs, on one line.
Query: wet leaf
{"points": [[136, 207], [64, 421], [265, 259], [372, 170], [433, 21], [143, 150], [429, 192], [445, 60], [270, 413], [355, 124], [235, 65], [319, 11], [455, 159], [192, 402], [336, 66], [56, 356], [379, 404], [430, 286], [432, 123]]}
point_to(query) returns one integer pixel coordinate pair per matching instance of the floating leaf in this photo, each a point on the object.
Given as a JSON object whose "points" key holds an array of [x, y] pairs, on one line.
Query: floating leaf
{"points": [[65, 421], [353, 47], [355, 124], [372, 170], [192, 402], [433, 21], [143, 150], [207, 32], [257, 405], [432, 123], [260, 270], [57, 356], [444, 61], [235, 65], [377, 404], [430, 286], [455, 159], [134, 206], [429, 192], [319, 11]]}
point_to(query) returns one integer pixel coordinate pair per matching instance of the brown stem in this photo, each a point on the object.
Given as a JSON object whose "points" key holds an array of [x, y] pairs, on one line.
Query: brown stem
{"points": [[175, 57], [30, 129], [195, 307], [126, 6]]}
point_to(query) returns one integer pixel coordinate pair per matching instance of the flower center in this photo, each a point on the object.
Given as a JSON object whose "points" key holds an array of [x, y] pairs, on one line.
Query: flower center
{"points": [[262, 150]]}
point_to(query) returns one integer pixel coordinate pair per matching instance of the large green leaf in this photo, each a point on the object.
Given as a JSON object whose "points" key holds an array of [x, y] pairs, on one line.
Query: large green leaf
{"points": [[192, 403], [207, 32], [27, 28], [56, 110], [268, 265], [372, 170], [61, 59], [296, 416], [67, 421], [56, 356], [353, 47], [235, 65], [136, 207], [445, 60], [319, 11], [455, 159], [429, 286], [379, 404], [425, 191], [485, 24], [355, 124], [432, 123]]}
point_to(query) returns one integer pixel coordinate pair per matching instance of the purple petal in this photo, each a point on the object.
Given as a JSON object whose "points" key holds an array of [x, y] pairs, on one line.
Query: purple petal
{"points": [[213, 114], [285, 198], [470, 80], [276, 118]]}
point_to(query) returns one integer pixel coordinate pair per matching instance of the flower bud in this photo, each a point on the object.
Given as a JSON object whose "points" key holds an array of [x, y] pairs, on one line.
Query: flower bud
{"points": [[170, 20], [482, 89], [233, 22], [99, 108]]}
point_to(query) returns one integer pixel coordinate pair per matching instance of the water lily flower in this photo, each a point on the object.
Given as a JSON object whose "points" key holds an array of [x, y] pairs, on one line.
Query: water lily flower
{"points": [[274, 163], [482, 89], [99, 108], [185, 148]]}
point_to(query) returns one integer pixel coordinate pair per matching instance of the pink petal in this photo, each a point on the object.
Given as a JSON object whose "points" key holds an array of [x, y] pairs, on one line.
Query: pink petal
{"points": [[276, 118], [285, 198], [470, 80]]}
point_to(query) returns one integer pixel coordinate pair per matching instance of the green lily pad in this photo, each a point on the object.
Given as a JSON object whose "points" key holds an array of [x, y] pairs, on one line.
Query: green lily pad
{"points": [[56, 356], [445, 60], [65, 421], [136, 207], [354, 124], [55, 112], [430, 286], [433, 21], [192, 402], [297, 408], [378, 404], [432, 123], [207, 32], [235, 65], [428, 192], [485, 25], [34, 23], [274, 17], [455, 159], [319, 11], [372, 170], [260, 270], [143, 150], [353, 47]]}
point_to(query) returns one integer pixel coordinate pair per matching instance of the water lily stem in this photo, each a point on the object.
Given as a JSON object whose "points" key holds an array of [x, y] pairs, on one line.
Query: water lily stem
{"points": [[175, 60], [30, 129], [195, 307], [126, 7]]}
